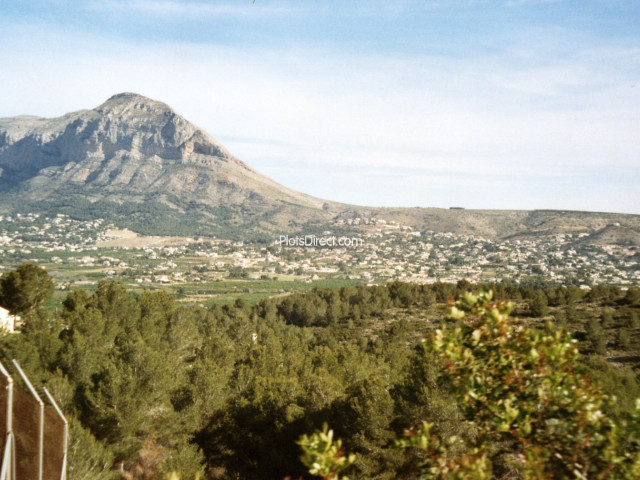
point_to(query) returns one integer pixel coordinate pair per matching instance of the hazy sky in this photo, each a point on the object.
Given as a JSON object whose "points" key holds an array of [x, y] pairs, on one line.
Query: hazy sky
{"points": [[481, 104]]}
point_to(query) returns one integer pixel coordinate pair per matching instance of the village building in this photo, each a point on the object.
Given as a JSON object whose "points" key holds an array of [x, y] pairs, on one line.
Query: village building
{"points": [[7, 321]]}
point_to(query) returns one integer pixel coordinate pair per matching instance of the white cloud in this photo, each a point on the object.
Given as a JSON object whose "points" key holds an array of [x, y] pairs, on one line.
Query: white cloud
{"points": [[461, 122]]}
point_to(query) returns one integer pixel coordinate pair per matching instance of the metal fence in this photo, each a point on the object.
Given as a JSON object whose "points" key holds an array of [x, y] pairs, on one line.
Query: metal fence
{"points": [[34, 445]]}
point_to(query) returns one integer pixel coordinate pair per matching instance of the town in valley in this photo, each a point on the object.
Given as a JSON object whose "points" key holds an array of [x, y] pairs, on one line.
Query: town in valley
{"points": [[204, 269]]}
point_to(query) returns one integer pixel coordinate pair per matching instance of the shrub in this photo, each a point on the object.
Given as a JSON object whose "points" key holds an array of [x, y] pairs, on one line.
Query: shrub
{"points": [[324, 456], [624, 339], [598, 342], [561, 319], [606, 319], [633, 321], [531, 408], [538, 305]]}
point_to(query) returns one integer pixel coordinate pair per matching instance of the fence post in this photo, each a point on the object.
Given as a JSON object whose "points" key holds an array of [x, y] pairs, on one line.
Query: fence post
{"points": [[35, 394], [63, 474], [8, 471]]}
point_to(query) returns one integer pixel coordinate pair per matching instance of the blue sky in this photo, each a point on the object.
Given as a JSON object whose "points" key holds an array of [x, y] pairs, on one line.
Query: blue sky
{"points": [[483, 104]]}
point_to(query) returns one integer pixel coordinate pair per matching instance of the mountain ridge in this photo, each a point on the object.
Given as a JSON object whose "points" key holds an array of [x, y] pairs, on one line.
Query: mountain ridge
{"points": [[139, 163], [124, 141]]}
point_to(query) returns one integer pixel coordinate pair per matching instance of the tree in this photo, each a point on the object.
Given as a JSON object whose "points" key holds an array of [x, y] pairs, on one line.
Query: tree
{"points": [[88, 458], [24, 289], [368, 410], [623, 340], [530, 407], [538, 305], [520, 387]]}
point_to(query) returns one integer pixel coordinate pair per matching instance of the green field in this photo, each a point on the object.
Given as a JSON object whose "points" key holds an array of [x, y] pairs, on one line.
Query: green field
{"points": [[222, 291]]}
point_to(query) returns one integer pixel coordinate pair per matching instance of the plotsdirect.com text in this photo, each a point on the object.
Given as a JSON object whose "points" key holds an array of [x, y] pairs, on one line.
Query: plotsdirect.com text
{"points": [[313, 241]]}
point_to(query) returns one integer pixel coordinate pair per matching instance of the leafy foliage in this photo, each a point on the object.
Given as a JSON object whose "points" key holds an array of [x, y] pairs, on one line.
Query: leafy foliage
{"points": [[153, 386], [520, 389], [529, 407], [24, 289], [324, 456]]}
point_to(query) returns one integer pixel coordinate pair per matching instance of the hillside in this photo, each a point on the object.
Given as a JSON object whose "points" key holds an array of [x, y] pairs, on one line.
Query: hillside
{"points": [[136, 162], [131, 151], [151, 386]]}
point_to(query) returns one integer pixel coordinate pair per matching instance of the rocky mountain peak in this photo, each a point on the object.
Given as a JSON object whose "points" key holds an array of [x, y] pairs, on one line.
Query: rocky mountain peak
{"points": [[129, 147], [128, 104], [131, 97], [152, 123]]}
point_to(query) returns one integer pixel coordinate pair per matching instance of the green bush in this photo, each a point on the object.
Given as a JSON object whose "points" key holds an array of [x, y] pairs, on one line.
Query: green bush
{"points": [[532, 410], [324, 456], [633, 321], [598, 342], [624, 339]]}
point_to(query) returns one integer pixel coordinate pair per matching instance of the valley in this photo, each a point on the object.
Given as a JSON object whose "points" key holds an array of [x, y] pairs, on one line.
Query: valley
{"points": [[205, 270], [182, 304]]}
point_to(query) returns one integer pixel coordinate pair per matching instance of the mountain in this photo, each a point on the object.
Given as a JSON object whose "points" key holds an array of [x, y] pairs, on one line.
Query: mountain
{"points": [[135, 162], [133, 151]]}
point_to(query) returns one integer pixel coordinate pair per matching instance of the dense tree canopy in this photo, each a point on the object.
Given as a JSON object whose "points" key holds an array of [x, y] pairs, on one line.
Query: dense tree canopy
{"points": [[530, 412], [24, 289], [154, 386]]}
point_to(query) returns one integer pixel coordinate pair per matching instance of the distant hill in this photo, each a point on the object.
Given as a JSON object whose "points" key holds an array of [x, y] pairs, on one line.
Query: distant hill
{"points": [[614, 234], [139, 164]]}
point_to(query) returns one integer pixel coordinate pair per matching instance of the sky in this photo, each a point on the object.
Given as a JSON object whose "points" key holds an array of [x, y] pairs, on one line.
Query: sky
{"points": [[492, 104]]}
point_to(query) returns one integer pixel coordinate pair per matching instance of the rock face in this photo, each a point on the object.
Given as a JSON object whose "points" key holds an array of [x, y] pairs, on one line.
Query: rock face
{"points": [[137, 163], [128, 147]]}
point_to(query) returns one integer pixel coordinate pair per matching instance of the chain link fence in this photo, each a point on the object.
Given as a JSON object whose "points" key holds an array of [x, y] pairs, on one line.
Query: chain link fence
{"points": [[34, 444]]}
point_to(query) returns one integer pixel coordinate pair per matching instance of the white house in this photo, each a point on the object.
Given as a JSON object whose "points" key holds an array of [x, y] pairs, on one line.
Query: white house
{"points": [[8, 321]]}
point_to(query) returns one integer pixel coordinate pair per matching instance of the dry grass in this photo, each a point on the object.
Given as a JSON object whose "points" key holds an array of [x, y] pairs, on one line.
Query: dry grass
{"points": [[123, 238]]}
